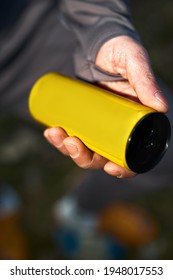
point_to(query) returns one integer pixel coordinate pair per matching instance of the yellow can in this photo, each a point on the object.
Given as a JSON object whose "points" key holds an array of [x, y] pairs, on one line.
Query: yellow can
{"points": [[123, 131]]}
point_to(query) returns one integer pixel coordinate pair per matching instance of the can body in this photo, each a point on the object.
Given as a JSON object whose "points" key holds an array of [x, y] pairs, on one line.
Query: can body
{"points": [[102, 120]]}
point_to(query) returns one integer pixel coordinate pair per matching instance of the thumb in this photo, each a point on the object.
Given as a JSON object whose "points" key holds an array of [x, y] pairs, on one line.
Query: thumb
{"points": [[143, 81]]}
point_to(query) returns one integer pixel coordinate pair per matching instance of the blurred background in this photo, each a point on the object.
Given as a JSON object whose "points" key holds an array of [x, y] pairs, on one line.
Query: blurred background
{"points": [[39, 219]]}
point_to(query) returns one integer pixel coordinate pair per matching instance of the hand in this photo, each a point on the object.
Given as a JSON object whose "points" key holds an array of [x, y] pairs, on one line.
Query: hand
{"points": [[125, 56], [121, 55]]}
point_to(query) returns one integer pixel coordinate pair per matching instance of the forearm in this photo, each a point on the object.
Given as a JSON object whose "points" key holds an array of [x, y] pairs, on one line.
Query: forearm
{"points": [[94, 23]]}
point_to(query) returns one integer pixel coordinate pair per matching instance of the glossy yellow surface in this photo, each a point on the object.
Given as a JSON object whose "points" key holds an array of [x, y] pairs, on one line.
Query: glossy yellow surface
{"points": [[101, 119]]}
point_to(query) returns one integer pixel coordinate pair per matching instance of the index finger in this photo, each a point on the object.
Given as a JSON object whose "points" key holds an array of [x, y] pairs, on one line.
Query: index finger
{"points": [[143, 81]]}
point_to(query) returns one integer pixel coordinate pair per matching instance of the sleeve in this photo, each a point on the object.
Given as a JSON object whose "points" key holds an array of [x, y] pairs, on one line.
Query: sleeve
{"points": [[94, 22]]}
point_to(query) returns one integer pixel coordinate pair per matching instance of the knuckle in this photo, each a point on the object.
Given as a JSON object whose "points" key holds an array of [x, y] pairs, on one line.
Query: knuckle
{"points": [[86, 164], [149, 76], [93, 163]]}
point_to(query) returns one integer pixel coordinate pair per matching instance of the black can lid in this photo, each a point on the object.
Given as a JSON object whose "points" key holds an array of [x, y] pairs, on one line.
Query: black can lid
{"points": [[148, 142]]}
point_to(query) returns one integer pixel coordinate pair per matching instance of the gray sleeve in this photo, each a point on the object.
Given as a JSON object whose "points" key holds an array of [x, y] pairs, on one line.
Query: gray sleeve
{"points": [[94, 22]]}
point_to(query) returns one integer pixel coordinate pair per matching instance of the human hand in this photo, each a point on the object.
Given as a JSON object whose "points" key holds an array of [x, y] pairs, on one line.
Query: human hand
{"points": [[121, 55], [125, 56]]}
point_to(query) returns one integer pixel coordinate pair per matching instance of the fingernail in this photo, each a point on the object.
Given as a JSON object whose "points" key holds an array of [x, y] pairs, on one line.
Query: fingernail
{"points": [[46, 133], [119, 176], [159, 96], [111, 169], [72, 149], [54, 138]]}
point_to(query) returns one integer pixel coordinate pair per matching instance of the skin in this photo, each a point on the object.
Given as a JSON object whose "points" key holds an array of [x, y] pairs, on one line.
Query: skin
{"points": [[125, 56]]}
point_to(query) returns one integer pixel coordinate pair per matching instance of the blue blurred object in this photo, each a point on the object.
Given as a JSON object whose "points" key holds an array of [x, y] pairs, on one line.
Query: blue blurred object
{"points": [[115, 250], [9, 200], [67, 241], [77, 236]]}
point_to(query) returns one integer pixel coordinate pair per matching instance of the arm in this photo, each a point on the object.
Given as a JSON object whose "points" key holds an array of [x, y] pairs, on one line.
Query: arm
{"points": [[106, 39], [94, 23]]}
